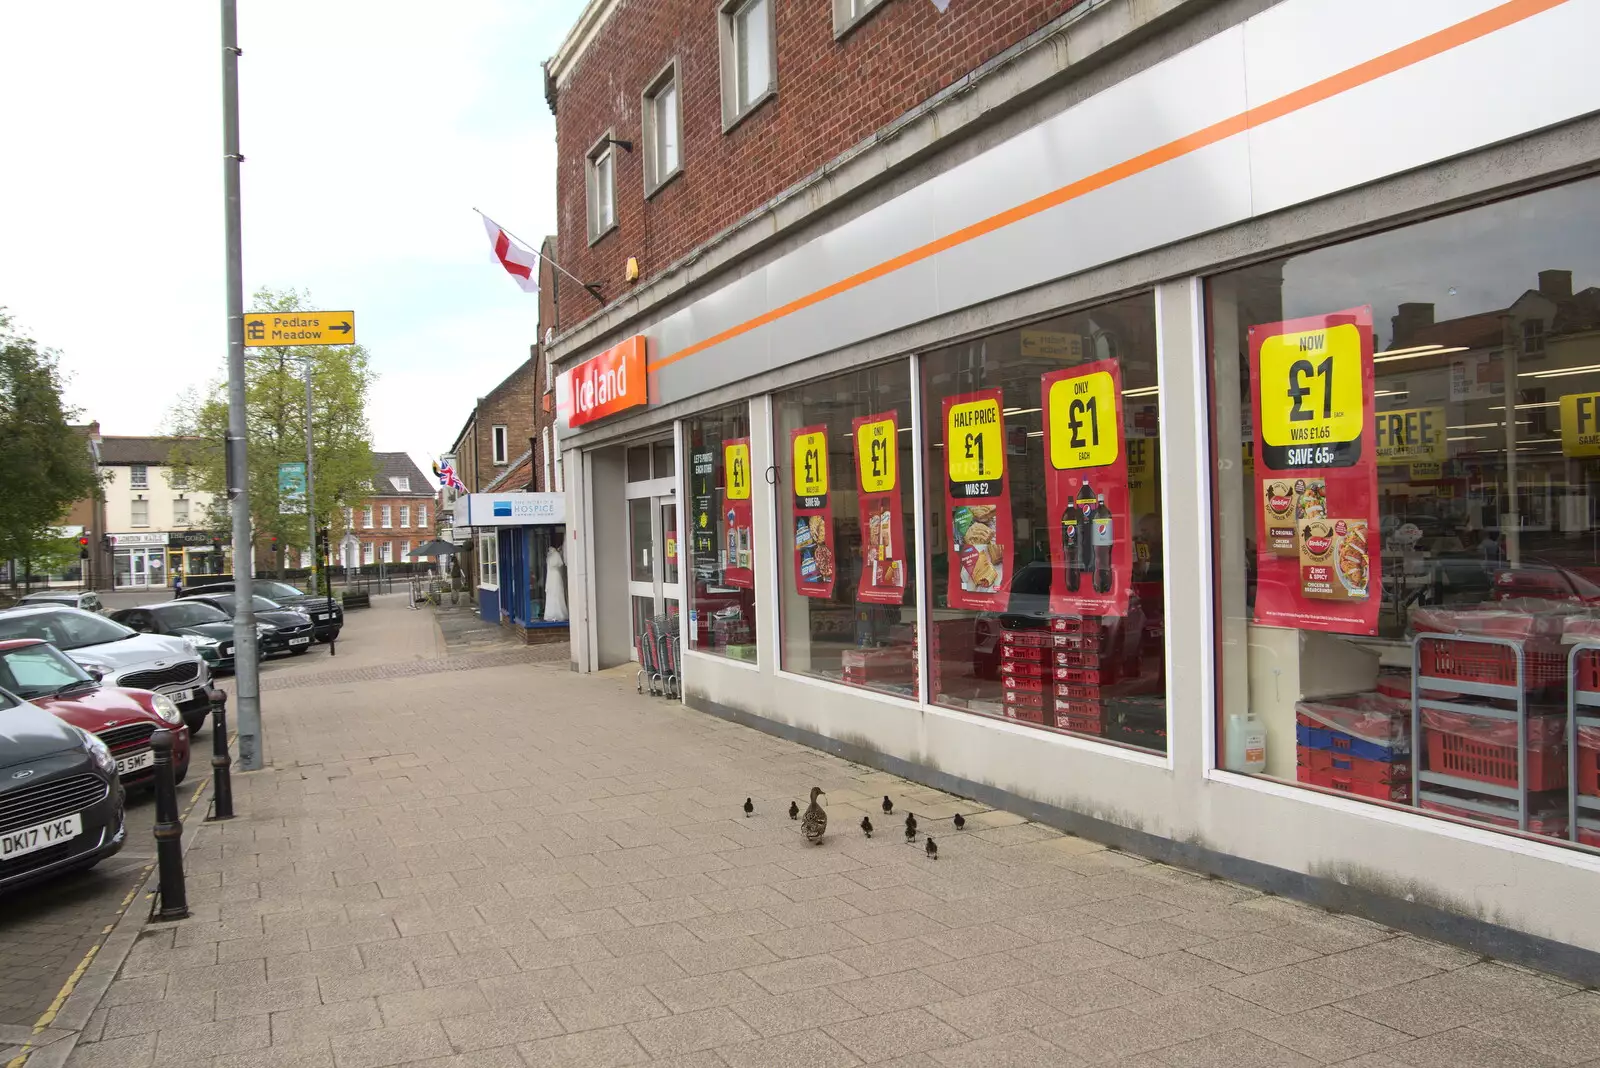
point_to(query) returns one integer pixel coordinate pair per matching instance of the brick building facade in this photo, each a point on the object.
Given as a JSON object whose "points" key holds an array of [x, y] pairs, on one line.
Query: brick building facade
{"points": [[838, 84], [399, 514]]}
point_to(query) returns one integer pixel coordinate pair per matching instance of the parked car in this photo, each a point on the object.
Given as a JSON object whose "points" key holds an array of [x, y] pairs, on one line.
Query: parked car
{"points": [[87, 600], [327, 615], [280, 629], [118, 656], [204, 627], [123, 719], [61, 802]]}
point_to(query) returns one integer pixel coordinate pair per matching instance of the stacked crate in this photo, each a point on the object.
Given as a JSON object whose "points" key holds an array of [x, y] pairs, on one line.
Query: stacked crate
{"points": [[950, 645], [1358, 744], [1079, 671], [887, 666], [1025, 674]]}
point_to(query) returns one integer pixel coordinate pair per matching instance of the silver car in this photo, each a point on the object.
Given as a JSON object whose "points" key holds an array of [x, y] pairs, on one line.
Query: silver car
{"points": [[119, 656], [87, 600]]}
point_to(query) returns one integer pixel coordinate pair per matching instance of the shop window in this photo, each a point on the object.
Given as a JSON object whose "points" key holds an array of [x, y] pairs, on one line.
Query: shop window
{"points": [[1043, 516], [139, 476], [139, 513], [489, 560], [638, 458], [723, 557], [845, 551], [1408, 542]]}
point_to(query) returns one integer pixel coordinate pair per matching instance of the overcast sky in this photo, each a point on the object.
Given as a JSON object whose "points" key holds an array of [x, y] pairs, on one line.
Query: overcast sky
{"points": [[370, 130]]}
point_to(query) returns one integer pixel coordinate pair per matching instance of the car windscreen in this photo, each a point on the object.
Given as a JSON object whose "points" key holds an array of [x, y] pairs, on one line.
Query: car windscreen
{"points": [[277, 590], [188, 614], [68, 628], [38, 670]]}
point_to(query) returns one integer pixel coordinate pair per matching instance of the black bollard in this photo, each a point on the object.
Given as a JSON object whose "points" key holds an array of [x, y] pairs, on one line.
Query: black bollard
{"points": [[169, 834], [333, 641], [221, 766]]}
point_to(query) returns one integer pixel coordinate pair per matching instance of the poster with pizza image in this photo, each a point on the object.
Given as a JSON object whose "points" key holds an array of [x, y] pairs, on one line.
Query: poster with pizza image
{"points": [[1315, 488], [738, 568], [1086, 490], [977, 497], [814, 562], [883, 528]]}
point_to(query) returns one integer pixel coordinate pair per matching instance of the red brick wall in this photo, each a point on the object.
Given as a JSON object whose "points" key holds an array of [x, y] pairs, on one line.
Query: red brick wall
{"points": [[831, 95]]}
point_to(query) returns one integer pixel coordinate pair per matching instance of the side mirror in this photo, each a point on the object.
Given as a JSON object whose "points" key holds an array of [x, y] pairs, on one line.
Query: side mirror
{"points": [[95, 673]]}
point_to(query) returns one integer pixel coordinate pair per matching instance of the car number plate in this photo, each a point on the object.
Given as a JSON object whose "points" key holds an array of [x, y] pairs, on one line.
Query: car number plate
{"points": [[180, 696], [137, 762], [321, 616], [227, 650], [40, 836], [299, 641]]}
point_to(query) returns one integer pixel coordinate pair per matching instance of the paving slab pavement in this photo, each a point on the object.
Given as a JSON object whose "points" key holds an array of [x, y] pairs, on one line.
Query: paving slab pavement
{"points": [[516, 866]]}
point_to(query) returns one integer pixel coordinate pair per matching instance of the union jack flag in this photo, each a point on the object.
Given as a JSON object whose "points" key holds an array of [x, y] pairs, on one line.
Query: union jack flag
{"points": [[447, 476]]}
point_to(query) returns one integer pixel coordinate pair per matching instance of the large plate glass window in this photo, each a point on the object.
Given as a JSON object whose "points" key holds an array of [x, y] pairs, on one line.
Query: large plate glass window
{"points": [[722, 552], [845, 551], [1407, 458], [1042, 500]]}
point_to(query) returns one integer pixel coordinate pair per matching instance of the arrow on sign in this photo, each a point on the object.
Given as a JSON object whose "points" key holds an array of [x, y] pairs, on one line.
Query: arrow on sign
{"points": [[341, 327]]}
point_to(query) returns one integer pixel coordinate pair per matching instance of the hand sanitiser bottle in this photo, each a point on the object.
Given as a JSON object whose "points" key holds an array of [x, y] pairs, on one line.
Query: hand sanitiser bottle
{"points": [[1246, 744]]}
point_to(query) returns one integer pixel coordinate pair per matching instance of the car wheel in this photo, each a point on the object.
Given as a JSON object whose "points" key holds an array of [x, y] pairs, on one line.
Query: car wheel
{"points": [[195, 723], [180, 771], [301, 651]]}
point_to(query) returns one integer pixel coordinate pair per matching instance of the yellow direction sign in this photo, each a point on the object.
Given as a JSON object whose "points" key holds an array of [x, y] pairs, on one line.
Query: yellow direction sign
{"points": [[269, 329]]}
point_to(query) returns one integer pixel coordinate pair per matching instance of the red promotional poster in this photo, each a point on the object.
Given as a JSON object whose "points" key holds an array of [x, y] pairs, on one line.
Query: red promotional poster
{"points": [[1316, 479], [883, 529], [738, 566], [1086, 489], [813, 515], [977, 497]]}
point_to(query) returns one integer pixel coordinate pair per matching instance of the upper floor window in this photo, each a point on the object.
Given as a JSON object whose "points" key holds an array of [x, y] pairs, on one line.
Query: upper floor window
{"points": [[602, 188], [179, 478], [663, 132], [402, 483], [1533, 337], [422, 516], [749, 60], [499, 444], [180, 513], [139, 476], [367, 516], [388, 517], [349, 518], [846, 13], [405, 516], [139, 514]]}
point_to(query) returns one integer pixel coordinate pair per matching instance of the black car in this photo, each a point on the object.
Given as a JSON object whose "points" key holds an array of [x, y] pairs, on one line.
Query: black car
{"points": [[61, 802], [327, 614], [280, 629], [206, 628]]}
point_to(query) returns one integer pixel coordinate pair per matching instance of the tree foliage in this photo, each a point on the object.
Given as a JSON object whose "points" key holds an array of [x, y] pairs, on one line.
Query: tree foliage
{"points": [[47, 464], [275, 400]]}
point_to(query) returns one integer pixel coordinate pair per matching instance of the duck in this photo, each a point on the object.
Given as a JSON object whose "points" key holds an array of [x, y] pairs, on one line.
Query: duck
{"points": [[814, 824]]}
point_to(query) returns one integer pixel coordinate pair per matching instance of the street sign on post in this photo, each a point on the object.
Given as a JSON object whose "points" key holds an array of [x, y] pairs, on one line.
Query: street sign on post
{"points": [[270, 329], [292, 488]]}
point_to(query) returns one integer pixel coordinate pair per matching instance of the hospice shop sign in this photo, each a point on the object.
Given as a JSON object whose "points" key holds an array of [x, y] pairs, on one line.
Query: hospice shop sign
{"points": [[611, 382]]}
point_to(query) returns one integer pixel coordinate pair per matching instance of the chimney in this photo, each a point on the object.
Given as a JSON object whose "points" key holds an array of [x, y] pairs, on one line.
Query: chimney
{"points": [[1409, 319], [1557, 285]]}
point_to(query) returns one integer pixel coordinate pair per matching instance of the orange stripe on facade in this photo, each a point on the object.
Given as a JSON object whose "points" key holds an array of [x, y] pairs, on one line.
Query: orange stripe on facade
{"points": [[1371, 70]]}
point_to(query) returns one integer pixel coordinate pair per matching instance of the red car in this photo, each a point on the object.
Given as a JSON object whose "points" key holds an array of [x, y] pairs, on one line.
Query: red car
{"points": [[39, 673]]}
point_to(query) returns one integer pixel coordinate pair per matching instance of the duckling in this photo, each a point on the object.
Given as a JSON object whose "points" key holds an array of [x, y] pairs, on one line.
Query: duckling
{"points": [[794, 811], [749, 807], [866, 826]]}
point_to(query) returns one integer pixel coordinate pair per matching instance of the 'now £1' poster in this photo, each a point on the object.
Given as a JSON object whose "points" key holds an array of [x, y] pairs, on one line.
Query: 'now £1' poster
{"points": [[977, 496], [1086, 486], [883, 571], [738, 567], [1316, 486], [813, 516]]}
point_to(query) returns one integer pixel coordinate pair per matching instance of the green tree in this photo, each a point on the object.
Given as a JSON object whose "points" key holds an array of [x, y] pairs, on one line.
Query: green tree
{"points": [[275, 401], [47, 465]]}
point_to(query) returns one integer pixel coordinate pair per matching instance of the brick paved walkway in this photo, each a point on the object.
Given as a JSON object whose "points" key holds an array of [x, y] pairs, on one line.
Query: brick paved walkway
{"points": [[518, 867]]}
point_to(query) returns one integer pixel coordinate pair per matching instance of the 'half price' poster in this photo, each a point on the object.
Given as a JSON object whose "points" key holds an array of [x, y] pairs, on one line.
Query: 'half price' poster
{"points": [[738, 567], [1086, 488], [813, 515], [977, 498], [1316, 480], [877, 448]]}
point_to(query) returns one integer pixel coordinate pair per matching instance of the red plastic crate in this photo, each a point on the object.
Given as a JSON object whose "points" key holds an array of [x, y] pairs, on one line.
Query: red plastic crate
{"points": [[1077, 691], [1086, 626], [1091, 723], [1026, 700], [1472, 758], [1328, 762], [1496, 665], [1024, 654], [1022, 638], [1588, 837], [1076, 658], [1549, 825], [1071, 707], [1588, 672], [1081, 676], [1024, 683], [1032, 668], [1588, 770], [1025, 715]]}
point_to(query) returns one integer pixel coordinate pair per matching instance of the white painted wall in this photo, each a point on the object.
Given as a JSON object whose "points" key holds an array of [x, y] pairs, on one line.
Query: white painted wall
{"points": [[120, 495]]}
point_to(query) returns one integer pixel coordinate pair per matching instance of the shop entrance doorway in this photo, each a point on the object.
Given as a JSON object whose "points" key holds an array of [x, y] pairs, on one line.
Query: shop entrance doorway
{"points": [[655, 586]]}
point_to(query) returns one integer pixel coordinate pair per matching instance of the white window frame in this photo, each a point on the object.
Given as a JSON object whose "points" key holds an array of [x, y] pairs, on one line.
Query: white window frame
{"points": [[183, 520], [386, 551], [734, 109], [367, 516], [422, 517], [602, 194], [133, 513], [499, 438], [847, 14], [655, 175], [139, 476], [405, 552], [405, 517], [401, 483], [369, 554], [547, 483], [387, 514], [489, 560], [178, 478]]}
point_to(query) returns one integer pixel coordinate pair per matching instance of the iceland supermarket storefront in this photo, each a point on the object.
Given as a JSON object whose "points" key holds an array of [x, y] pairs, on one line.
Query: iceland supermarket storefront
{"points": [[1203, 459]]}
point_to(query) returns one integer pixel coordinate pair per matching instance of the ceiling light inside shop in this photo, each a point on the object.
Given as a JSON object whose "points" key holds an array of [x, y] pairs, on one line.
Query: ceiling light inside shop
{"points": [[1413, 353], [1467, 437], [1485, 426], [1519, 407], [1585, 369], [1391, 392], [1142, 391], [1019, 411]]}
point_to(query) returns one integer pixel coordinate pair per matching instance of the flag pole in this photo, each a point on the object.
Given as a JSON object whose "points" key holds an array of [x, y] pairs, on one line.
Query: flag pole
{"points": [[593, 288]]}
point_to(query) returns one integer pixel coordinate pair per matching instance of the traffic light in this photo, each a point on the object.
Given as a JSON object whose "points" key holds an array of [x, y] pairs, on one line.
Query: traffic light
{"points": [[83, 546]]}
